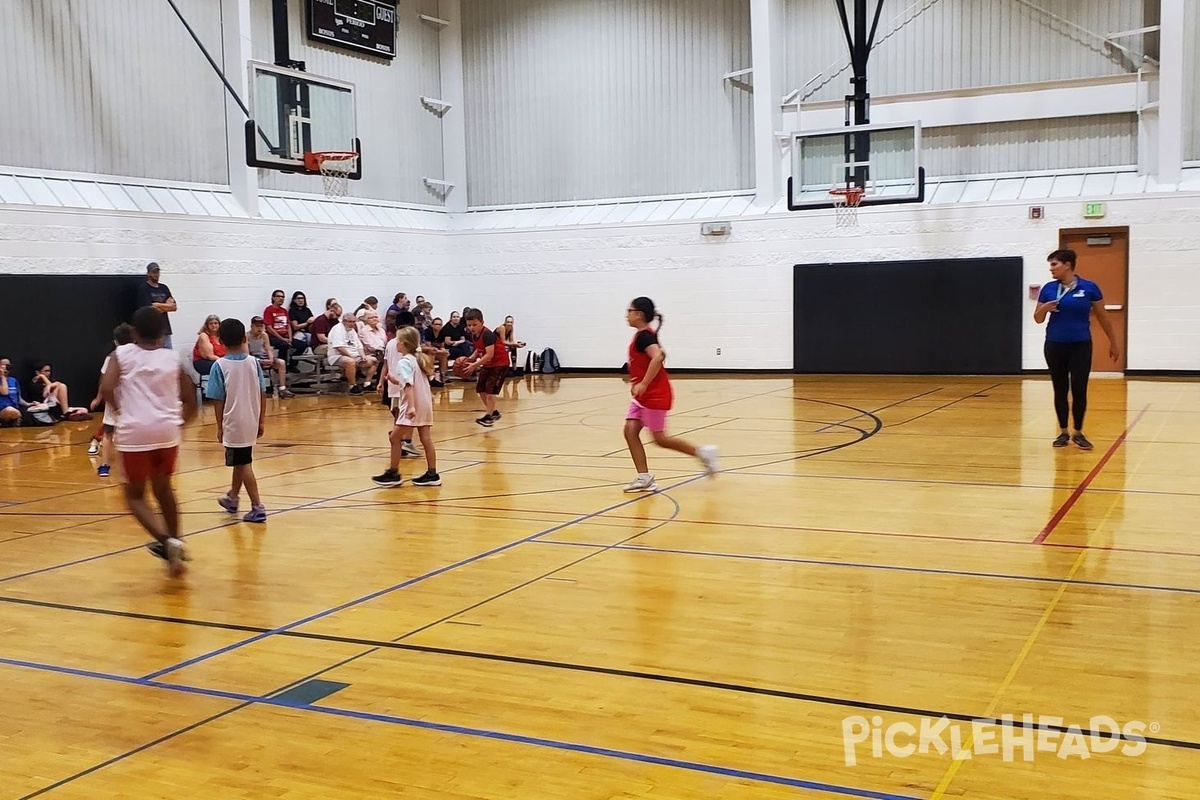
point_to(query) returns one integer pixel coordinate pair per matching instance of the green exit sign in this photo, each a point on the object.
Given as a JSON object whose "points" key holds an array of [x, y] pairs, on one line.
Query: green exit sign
{"points": [[1093, 210]]}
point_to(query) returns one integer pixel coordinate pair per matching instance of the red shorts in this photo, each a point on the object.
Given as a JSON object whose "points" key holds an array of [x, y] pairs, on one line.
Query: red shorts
{"points": [[141, 467]]}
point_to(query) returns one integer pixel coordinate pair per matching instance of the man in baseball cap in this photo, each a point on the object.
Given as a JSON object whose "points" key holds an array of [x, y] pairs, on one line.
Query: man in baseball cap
{"points": [[158, 295]]}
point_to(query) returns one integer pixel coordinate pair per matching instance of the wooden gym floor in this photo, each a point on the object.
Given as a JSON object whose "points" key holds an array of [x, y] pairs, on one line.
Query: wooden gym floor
{"points": [[878, 551]]}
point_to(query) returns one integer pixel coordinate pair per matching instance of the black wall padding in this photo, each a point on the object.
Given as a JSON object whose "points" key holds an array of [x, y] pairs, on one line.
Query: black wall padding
{"points": [[945, 317], [67, 320]]}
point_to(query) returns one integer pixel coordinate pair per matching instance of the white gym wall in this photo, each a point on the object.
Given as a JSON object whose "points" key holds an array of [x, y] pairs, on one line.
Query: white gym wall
{"points": [[116, 88], [585, 100], [582, 99]]}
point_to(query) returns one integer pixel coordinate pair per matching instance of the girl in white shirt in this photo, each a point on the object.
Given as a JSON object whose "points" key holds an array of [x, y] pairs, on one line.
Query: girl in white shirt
{"points": [[408, 371]]}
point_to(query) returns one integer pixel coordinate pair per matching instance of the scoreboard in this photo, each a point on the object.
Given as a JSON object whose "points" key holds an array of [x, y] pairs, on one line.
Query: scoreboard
{"points": [[368, 26]]}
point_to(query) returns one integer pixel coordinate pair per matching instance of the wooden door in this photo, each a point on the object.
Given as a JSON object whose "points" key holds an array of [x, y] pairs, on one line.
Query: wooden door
{"points": [[1103, 257]]}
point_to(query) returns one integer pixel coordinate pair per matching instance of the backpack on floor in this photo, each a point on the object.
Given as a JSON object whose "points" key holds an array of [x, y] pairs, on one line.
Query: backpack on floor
{"points": [[549, 362]]}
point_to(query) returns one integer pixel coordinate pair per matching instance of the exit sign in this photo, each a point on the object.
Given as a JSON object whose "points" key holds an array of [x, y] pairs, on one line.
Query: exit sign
{"points": [[1093, 210]]}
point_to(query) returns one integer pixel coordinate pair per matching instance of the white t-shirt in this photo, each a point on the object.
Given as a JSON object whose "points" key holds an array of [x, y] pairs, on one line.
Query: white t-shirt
{"points": [[110, 416], [392, 357], [150, 414], [237, 379], [339, 336]]}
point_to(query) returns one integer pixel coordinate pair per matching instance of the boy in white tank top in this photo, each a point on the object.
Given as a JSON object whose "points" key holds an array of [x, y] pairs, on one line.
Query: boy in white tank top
{"points": [[236, 385], [151, 398]]}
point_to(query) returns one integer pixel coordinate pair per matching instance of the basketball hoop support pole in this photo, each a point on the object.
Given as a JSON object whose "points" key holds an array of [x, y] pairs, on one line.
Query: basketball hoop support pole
{"points": [[858, 105], [279, 26]]}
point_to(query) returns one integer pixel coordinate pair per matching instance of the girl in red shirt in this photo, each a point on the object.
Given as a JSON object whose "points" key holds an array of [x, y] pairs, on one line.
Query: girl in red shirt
{"points": [[651, 389]]}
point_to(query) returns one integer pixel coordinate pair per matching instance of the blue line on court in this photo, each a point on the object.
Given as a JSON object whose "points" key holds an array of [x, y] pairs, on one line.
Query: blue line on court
{"points": [[885, 567], [225, 524], [405, 584], [537, 741]]}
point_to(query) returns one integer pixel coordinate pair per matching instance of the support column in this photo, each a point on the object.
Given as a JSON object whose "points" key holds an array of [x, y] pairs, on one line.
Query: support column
{"points": [[1171, 92], [235, 40], [766, 47], [454, 123]]}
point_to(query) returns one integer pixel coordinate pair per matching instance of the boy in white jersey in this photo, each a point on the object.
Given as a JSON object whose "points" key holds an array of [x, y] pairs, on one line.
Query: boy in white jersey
{"points": [[236, 385], [151, 397]]}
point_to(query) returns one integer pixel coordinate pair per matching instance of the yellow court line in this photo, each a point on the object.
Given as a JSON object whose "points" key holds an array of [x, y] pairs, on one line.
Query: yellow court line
{"points": [[990, 711], [1012, 673]]}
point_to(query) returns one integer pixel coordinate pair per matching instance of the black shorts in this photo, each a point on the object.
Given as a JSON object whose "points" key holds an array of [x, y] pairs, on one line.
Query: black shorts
{"points": [[238, 456], [490, 380]]}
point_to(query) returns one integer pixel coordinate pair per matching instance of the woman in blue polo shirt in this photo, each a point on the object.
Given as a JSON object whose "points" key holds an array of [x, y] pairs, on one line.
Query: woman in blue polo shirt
{"points": [[1070, 301]]}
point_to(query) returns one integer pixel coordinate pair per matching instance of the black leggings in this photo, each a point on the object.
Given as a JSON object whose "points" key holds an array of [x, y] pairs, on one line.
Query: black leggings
{"points": [[1070, 364]]}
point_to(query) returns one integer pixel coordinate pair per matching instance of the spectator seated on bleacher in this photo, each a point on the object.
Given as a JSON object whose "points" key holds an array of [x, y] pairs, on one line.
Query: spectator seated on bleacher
{"points": [[50, 395], [431, 343], [322, 325], [208, 347], [259, 346], [300, 319], [346, 353], [372, 334]]}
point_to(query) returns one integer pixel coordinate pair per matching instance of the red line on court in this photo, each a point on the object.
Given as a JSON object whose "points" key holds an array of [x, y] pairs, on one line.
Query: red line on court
{"points": [[1087, 481]]}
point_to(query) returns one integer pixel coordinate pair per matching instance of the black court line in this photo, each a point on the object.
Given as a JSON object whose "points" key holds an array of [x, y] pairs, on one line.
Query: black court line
{"points": [[816, 562], [866, 413], [657, 677], [228, 523], [947, 405], [109, 762], [284, 690], [116, 485]]}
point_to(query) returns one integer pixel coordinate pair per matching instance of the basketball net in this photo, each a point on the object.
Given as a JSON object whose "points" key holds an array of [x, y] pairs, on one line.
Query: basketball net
{"points": [[845, 204], [336, 169]]}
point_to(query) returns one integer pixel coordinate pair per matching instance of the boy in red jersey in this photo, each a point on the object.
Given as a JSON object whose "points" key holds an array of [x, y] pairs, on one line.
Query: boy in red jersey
{"points": [[491, 361], [651, 389]]}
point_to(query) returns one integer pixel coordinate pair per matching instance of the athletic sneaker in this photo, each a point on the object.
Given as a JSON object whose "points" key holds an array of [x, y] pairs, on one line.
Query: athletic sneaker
{"points": [[1062, 441], [102, 471], [228, 503], [642, 483], [286, 394], [486, 421], [389, 478], [1082, 441], [94, 447], [159, 550], [407, 450], [256, 514], [495, 415], [176, 555], [707, 453], [356, 390], [430, 478]]}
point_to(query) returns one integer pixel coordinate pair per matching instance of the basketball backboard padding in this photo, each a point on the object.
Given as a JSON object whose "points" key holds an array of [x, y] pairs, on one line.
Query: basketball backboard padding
{"points": [[884, 160], [295, 113]]}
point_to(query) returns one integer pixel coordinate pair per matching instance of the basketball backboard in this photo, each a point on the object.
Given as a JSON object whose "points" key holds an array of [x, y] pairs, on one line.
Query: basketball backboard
{"points": [[882, 160], [295, 113]]}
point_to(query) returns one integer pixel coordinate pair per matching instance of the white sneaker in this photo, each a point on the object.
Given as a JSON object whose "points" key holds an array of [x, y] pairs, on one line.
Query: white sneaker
{"points": [[94, 447], [642, 483], [176, 555], [707, 453]]}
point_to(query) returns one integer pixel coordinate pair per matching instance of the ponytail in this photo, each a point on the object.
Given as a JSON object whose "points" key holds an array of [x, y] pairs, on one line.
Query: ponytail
{"points": [[412, 343], [425, 362]]}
